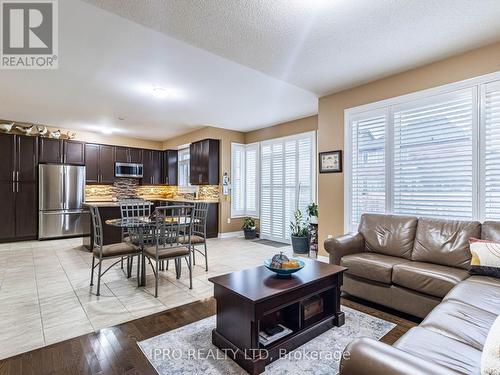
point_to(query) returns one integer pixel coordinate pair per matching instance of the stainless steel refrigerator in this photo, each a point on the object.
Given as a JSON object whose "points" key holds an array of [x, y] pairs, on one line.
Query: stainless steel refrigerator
{"points": [[61, 192]]}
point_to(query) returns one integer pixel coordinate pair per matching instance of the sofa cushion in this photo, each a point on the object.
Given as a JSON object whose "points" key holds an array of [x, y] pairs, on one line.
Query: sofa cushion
{"points": [[444, 242], [388, 234], [485, 257], [478, 291], [427, 278], [490, 230], [371, 266], [434, 347], [461, 322]]}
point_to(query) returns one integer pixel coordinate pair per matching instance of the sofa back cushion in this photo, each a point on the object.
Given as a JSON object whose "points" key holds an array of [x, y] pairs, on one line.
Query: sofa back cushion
{"points": [[444, 242], [490, 230], [388, 234]]}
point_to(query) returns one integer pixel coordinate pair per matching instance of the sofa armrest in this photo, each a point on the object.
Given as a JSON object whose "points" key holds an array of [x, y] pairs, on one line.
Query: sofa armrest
{"points": [[367, 356], [337, 247]]}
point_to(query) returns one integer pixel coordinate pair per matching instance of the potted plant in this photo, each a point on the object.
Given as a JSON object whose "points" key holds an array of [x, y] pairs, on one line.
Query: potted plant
{"points": [[249, 228], [299, 233], [312, 211]]}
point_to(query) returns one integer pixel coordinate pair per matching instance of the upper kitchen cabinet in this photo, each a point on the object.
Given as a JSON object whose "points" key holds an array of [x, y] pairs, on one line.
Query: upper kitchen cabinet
{"points": [[135, 155], [99, 163], [19, 158], [122, 155], [50, 150], [204, 162], [74, 152], [170, 166], [128, 155], [7, 167], [152, 167]]}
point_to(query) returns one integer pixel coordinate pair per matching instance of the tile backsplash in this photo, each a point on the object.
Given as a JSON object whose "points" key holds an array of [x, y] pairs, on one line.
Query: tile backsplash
{"points": [[130, 188]]}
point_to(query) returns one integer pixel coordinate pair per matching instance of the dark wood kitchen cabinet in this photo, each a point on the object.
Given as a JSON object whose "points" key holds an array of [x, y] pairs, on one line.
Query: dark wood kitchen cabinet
{"points": [[122, 155], [128, 155], [99, 163], [152, 167], [8, 204], [19, 158], [50, 150], [204, 162], [170, 168], [26, 221], [74, 152], [135, 155], [18, 188]]}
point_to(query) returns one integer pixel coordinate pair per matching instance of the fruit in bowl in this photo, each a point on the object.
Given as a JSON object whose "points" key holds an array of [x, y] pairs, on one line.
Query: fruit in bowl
{"points": [[282, 265]]}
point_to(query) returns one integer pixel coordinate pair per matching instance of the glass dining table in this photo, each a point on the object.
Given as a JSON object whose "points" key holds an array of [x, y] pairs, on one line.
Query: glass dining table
{"points": [[142, 232]]}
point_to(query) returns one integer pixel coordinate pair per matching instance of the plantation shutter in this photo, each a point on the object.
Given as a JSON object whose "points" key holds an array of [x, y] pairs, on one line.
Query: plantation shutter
{"points": [[238, 180], [368, 166], [433, 156], [491, 152], [251, 179], [287, 174]]}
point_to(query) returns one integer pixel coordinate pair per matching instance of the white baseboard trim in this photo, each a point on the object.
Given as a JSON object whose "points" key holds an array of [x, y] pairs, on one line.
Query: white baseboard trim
{"points": [[238, 233]]}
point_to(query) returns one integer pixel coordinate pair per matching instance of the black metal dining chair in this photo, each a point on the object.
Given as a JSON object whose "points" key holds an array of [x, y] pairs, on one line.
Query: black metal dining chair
{"points": [[199, 231], [132, 208], [173, 223], [103, 252]]}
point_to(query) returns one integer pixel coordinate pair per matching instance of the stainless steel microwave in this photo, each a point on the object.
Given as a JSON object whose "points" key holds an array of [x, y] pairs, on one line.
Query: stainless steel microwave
{"points": [[130, 170]]}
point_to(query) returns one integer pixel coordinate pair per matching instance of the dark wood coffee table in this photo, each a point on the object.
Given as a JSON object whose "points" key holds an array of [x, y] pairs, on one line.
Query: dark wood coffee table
{"points": [[252, 300]]}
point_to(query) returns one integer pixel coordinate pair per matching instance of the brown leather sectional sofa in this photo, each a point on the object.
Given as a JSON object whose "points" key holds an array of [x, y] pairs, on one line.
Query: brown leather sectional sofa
{"points": [[420, 267]]}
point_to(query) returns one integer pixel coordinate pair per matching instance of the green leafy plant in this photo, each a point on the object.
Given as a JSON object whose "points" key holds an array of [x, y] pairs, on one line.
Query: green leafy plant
{"points": [[248, 223], [298, 226], [312, 209]]}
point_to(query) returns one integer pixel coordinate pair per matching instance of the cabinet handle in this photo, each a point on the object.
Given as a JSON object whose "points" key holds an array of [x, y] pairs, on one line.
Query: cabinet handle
{"points": [[17, 176], [13, 176], [17, 187], [13, 187]]}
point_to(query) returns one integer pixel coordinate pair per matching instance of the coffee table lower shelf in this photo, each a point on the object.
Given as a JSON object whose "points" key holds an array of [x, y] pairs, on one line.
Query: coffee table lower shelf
{"points": [[254, 361]]}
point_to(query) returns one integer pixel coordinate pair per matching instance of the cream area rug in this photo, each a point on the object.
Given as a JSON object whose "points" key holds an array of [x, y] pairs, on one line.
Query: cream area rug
{"points": [[189, 349]]}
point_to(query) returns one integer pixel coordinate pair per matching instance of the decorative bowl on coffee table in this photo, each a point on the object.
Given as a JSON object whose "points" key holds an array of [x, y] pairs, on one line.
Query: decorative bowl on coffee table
{"points": [[284, 272]]}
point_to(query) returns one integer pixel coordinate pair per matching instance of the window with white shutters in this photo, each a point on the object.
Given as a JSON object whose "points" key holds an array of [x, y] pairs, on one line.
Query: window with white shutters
{"points": [[433, 156], [368, 170], [244, 167], [237, 180], [287, 176], [490, 174], [434, 153]]}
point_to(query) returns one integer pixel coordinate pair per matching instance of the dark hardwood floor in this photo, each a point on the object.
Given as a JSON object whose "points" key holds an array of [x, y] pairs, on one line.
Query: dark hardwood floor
{"points": [[114, 350]]}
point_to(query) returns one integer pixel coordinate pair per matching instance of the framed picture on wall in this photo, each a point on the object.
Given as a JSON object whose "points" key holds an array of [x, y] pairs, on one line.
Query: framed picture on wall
{"points": [[330, 161]]}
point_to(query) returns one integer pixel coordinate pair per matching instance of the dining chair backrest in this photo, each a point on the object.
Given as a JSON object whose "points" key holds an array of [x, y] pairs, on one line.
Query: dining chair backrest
{"points": [[97, 225], [199, 227], [134, 208], [173, 226]]}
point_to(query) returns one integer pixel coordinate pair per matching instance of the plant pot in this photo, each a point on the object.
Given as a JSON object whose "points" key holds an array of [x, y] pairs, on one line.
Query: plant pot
{"points": [[250, 234], [313, 219], [300, 245]]}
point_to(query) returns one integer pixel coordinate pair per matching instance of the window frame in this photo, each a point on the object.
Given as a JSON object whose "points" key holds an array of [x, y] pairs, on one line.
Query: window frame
{"points": [[478, 84]]}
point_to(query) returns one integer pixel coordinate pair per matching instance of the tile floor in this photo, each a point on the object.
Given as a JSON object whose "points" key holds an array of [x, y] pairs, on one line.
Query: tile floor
{"points": [[45, 295]]}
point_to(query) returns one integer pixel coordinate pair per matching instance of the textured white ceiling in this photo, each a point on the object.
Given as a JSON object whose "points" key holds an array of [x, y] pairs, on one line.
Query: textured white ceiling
{"points": [[322, 45], [108, 66]]}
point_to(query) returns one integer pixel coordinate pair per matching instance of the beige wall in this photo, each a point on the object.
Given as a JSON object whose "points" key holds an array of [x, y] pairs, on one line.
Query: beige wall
{"points": [[331, 116], [225, 137], [282, 130]]}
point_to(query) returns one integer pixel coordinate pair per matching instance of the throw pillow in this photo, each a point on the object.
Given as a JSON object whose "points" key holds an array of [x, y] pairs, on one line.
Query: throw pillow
{"points": [[485, 257], [490, 358]]}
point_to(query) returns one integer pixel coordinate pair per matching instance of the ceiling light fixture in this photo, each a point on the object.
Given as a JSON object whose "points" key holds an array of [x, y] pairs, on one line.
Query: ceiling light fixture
{"points": [[160, 92]]}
